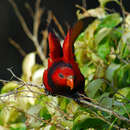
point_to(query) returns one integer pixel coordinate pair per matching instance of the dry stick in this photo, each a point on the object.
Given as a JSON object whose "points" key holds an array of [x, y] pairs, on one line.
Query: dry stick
{"points": [[27, 31], [21, 19], [84, 3], [44, 41], [45, 34], [58, 25], [86, 104], [80, 7], [81, 100], [12, 93], [22, 83], [9, 69], [37, 17], [67, 25], [17, 46], [32, 115], [124, 12], [105, 120], [30, 10]]}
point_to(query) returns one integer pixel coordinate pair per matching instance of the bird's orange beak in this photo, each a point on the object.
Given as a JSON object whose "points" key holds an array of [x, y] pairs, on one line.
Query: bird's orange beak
{"points": [[70, 83]]}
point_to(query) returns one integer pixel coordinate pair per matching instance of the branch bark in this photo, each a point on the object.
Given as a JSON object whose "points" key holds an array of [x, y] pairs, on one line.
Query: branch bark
{"points": [[32, 36]]}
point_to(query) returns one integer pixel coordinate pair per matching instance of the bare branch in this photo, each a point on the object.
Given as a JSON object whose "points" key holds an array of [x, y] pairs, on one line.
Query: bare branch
{"points": [[29, 9], [43, 43], [84, 3], [9, 69], [34, 36], [58, 25], [32, 115], [80, 7], [105, 120], [17, 46], [37, 17], [21, 19], [110, 112], [82, 100]]}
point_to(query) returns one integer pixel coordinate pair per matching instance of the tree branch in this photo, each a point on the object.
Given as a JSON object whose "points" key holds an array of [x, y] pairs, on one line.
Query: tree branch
{"points": [[17, 46], [32, 36], [110, 112], [58, 25], [83, 100], [21, 19]]}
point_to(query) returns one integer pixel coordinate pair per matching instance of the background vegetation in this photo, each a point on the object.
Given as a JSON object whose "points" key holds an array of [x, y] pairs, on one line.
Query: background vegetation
{"points": [[103, 53]]}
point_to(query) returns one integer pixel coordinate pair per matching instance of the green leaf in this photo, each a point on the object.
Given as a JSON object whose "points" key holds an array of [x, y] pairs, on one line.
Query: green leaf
{"points": [[24, 128], [124, 45], [88, 70], [28, 62], [87, 122], [93, 87], [9, 87], [123, 76], [122, 108], [101, 34], [110, 21], [45, 113], [112, 124], [8, 115], [18, 126], [80, 37], [112, 68], [53, 127], [107, 102], [34, 110], [104, 49], [37, 76], [63, 104], [124, 91]]}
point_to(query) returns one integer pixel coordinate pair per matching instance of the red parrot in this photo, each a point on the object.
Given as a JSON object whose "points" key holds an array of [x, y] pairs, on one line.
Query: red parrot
{"points": [[63, 76]]}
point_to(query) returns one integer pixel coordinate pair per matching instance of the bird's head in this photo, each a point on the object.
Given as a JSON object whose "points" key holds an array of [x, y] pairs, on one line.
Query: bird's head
{"points": [[63, 76]]}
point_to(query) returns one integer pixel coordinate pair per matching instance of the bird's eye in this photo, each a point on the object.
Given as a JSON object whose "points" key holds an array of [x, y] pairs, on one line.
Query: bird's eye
{"points": [[61, 75]]}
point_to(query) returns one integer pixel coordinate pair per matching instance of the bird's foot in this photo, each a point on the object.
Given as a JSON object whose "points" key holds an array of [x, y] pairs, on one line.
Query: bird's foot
{"points": [[76, 98]]}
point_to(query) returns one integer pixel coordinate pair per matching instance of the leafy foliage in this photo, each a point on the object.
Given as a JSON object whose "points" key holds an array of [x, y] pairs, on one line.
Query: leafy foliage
{"points": [[102, 52]]}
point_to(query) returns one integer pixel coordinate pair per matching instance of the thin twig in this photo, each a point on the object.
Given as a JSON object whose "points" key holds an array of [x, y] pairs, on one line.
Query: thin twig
{"points": [[22, 83], [34, 36], [80, 7], [12, 93], [37, 16], [86, 104], [103, 119], [45, 34], [84, 3], [17, 46], [29, 9], [58, 25], [21, 19], [44, 41], [82, 99], [32, 115], [9, 69]]}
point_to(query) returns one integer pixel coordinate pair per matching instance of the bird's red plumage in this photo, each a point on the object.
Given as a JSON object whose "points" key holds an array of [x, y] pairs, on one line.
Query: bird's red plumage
{"points": [[62, 62], [63, 75]]}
